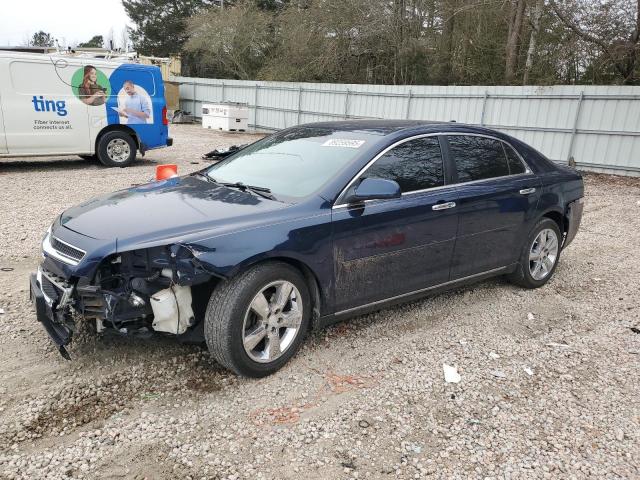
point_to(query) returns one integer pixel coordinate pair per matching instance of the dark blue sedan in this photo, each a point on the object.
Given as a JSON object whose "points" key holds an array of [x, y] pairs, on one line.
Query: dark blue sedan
{"points": [[305, 227]]}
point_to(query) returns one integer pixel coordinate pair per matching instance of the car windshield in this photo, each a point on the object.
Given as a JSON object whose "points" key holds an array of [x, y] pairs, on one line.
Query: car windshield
{"points": [[294, 163]]}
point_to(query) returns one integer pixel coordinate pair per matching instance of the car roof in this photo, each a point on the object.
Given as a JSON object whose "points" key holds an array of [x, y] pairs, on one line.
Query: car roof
{"points": [[388, 127], [379, 127]]}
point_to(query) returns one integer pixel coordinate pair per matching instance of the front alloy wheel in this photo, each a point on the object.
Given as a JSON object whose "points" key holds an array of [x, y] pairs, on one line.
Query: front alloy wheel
{"points": [[272, 321], [256, 322]]}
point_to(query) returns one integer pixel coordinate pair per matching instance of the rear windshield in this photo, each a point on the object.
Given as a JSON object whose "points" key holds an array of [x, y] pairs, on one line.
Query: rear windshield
{"points": [[294, 163]]}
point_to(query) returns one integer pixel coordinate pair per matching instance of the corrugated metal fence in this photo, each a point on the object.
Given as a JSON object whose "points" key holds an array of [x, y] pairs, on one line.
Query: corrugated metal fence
{"points": [[599, 126]]}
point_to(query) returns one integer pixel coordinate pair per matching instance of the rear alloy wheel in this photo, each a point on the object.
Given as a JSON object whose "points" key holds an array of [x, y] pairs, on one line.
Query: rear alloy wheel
{"points": [[257, 321], [539, 257], [543, 254], [116, 149]]}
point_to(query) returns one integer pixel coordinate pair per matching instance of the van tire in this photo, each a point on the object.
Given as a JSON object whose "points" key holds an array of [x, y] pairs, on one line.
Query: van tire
{"points": [[116, 149]]}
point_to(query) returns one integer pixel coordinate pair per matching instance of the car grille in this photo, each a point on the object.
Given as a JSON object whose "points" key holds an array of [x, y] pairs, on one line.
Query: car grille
{"points": [[57, 289], [67, 250], [49, 289]]}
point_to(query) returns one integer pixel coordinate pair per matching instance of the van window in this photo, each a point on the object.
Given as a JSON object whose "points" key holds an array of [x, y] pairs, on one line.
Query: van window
{"points": [[478, 158], [141, 77]]}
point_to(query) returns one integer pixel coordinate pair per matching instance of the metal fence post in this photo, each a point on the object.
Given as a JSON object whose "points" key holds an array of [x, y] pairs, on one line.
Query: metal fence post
{"points": [[346, 104], [299, 104], [575, 128], [194, 99], [406, 114], [255, 107], [484, 106]]}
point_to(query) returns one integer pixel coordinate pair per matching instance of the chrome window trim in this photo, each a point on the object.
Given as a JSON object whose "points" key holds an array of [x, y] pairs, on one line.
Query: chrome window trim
{"points": [[527, 171]]}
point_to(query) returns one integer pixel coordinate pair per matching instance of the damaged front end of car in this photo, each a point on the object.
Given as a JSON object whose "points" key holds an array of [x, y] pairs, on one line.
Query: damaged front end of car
{"points": [[162, 289]]}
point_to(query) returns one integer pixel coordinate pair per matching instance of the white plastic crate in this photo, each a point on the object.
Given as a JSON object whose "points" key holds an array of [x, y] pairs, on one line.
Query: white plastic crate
{"points": [[228, 117]]}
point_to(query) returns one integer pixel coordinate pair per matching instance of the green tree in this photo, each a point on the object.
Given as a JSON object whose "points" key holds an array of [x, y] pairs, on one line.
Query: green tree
{"points": [[446, 42], [160, 25], [231, 42], [96, 42], [42, 39]]}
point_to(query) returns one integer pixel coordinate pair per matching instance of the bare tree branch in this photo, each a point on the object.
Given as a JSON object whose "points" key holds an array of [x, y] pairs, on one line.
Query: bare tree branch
{"points": [[576, 29]]}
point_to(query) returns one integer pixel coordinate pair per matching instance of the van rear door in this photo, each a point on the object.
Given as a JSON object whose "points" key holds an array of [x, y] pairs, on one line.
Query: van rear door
{"points": [[43, 114]]}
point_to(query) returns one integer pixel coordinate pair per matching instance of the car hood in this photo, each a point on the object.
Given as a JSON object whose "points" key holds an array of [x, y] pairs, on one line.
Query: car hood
{"points": [[172, 208]]}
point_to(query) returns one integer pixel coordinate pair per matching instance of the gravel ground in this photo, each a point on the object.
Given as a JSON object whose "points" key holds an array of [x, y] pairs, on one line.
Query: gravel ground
{"points": [[550, 378]]}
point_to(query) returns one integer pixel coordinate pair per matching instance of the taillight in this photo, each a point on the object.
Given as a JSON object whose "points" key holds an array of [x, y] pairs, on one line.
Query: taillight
{"points": [[165, 120]]}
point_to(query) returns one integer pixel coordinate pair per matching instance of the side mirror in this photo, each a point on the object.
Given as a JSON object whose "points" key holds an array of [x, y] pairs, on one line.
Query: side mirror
{"points": [[375, 189]]}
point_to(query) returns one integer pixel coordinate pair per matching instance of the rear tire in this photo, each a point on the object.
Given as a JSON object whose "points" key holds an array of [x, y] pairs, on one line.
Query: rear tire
{"points": [[116, 149], [257, 321], [539, 256]]}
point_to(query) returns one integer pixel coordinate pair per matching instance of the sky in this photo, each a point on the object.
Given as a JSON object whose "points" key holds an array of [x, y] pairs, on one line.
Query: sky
{"points": [[70, 21]]}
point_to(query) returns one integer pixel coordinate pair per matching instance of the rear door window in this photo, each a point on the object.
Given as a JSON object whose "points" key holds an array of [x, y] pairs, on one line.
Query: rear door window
{"points": [[478, 158], [515, 164], [415, 165]]}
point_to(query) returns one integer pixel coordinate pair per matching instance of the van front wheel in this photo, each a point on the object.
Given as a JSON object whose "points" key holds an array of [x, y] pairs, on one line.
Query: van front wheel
{"points": [[116, 149]]}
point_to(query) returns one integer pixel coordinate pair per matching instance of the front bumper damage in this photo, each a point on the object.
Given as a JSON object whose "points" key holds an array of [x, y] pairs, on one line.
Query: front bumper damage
{"points": [[51, 297], [161, 289]]}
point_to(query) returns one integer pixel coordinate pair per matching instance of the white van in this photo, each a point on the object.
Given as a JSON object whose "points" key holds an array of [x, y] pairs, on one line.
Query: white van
{"points": [[65, 105]]}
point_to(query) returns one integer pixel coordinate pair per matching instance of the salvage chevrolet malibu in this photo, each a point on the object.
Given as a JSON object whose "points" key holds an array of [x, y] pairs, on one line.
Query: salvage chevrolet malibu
{"points": [[303, 228]]}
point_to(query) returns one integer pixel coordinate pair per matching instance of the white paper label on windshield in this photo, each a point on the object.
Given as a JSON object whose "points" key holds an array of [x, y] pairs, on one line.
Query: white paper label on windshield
{"points": [[343, 142]]}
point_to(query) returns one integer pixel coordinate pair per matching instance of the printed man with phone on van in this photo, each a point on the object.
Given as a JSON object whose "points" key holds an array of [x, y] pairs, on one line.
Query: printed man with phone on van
{"points": [[136, 107]]}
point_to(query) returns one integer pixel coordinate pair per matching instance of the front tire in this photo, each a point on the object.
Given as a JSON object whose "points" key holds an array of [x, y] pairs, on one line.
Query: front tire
{"points": [[539, 256], [257, 321], [116, 149]]}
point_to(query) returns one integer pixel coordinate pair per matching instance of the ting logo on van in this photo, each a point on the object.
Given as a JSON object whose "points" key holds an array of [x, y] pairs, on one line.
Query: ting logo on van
{"points": [[42, 105]]}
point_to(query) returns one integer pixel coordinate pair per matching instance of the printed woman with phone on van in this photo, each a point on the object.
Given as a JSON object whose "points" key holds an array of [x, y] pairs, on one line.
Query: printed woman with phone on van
{"points": [[90, 91]]}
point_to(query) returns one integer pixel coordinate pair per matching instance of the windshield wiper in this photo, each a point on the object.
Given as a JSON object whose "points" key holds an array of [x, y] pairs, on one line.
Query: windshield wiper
{"points": [[261, 191], [205, 176]]}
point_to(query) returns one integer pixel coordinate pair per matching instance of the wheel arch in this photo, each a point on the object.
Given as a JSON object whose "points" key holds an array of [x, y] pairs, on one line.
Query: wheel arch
{"points": [[318, 295], [117, 128], [560, 218]]}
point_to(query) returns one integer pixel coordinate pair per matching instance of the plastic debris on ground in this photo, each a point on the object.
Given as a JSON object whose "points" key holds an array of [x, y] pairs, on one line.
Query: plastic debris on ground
{"points": [[451, 374]]}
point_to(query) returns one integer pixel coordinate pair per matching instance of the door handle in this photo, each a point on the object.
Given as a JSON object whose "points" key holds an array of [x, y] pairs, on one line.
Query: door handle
{"points": [[443, 206], [527, 191]]}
